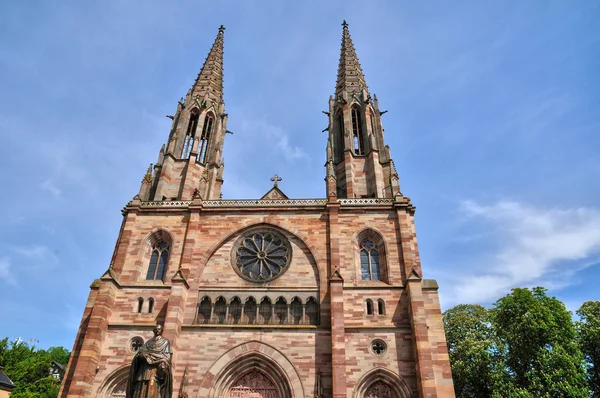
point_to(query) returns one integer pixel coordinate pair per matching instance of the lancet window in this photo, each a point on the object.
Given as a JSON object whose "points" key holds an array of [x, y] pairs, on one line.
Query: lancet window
{"points": [[158, 261], [190, 133], [359, 144], [209, 121], [369, 261], [339, 139]]}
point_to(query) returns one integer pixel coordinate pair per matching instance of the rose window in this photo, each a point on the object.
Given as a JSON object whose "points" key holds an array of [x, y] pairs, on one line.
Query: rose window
{"points": [[261, 255]]}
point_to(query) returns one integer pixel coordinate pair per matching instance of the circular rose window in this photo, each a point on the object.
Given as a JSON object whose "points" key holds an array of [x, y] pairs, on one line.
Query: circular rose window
{"points": [[261, 255]]}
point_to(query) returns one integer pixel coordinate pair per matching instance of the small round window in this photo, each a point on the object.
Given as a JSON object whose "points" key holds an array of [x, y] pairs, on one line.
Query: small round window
{"points": [[261, 255], [378, 347], [135, 344]]}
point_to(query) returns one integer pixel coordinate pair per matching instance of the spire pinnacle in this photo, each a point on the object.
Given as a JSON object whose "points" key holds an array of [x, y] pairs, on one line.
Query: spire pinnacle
{"points": [[350, 75], [210, 79]]}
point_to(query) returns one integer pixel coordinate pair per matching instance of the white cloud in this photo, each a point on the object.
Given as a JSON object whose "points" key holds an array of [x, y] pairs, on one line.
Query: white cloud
{"points": [[5, 272], [36, 257], [49, 186], [532, 246]]}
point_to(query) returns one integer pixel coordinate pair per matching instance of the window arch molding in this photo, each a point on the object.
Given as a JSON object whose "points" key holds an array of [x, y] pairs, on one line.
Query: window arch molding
{"points": [[396, 384], [151, 244], [113, 383], [378, 247]]}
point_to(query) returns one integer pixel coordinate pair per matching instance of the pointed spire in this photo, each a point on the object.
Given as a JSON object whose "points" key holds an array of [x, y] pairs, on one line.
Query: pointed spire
{"points": [[350, 75], [210, 79]]}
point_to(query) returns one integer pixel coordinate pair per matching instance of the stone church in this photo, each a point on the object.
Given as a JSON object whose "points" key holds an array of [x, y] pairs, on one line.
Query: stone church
{"points": [[268, 297]]}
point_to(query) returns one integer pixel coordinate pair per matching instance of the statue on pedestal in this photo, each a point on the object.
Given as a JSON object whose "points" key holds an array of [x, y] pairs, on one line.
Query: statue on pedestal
{"points": [[150, 375]]}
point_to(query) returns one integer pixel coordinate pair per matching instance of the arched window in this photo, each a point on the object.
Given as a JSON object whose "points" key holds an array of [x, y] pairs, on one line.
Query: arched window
{"points": [[339, 139], [281, 311], [235, 311], [209, 121], [204, 310], [266, 311], [296, 311], [220, 310], [359, 145], [312, 311], [158, 261], [369, 307], [190, 134], [140, 305], [250, 311], [381, 307], [150, 305], [369, 261]]}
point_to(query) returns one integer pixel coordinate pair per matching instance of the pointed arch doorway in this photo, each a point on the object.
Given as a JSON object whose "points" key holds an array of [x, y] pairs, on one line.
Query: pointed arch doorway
{"points": [[254, 384]]}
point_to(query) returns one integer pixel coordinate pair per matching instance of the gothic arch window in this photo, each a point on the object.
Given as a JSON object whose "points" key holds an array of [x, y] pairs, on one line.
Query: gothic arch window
{"points": [[339, 138], [312, 311], [371, 257], [220, 310], [381, 307], [204, 310], [158, 261], [235, 311], [369, 305], [265, 311], [190, 133], [250, 308], [369, 261], [207, 128], [140, 305], [281, 311], [296, 311], [358, 137]]}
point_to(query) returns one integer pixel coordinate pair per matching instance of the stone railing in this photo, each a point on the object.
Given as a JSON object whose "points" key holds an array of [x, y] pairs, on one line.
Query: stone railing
{"points": [[167, 203], [264, 202], [366, 201], [268, 202]]}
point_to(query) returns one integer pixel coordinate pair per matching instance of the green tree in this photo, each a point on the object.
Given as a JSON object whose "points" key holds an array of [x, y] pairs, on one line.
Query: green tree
{"points": [[29, 368], [588, 328], [472, 349], [541, 355]]}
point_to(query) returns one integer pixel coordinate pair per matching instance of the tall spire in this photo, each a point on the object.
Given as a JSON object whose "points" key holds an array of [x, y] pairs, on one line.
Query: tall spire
{"points": [[210, 79], [350, 75]]}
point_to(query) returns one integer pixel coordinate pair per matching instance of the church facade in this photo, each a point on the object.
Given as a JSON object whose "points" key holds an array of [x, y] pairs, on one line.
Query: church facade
{"points": [[271, 297]]}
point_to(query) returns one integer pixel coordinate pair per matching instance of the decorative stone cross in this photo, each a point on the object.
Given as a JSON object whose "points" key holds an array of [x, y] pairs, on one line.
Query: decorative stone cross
{"points": [[276, 179]]}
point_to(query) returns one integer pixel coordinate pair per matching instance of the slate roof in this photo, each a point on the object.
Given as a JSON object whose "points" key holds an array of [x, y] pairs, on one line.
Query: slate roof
{"points": [[5, 382]]}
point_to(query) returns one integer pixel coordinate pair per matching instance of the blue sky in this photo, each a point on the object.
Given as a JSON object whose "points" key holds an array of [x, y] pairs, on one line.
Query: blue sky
{"points": [[493, 122]]}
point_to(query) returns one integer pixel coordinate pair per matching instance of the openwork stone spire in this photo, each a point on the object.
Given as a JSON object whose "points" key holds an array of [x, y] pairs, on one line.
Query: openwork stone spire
{"points": [[350, 75], [210, 79]]}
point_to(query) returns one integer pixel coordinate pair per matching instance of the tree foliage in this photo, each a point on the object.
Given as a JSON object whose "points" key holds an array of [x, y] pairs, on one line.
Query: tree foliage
{"points": [[588, 328], [29, 368], [525, 346]]}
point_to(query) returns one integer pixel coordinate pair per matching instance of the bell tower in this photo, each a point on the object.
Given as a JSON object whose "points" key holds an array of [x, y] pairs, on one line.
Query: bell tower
{"points": [[190, 164], [359, 164]]}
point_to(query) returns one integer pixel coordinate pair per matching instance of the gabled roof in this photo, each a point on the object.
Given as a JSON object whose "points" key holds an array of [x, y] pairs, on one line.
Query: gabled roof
{"points": [[5, 382], [274, 193]]}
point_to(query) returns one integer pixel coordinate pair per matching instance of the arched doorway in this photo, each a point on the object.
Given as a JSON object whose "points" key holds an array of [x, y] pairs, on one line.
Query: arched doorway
{"points": [[381, 383], [251, 365], [253, 384]]}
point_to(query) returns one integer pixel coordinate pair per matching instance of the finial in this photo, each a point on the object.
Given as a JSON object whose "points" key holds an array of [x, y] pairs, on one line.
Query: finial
{"points": [[221, 29], [148, 176], [345, 24], [276, 179]]}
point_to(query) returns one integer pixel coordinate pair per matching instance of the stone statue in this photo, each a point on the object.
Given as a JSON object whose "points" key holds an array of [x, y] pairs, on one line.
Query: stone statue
{"points": [[150, 375]]}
